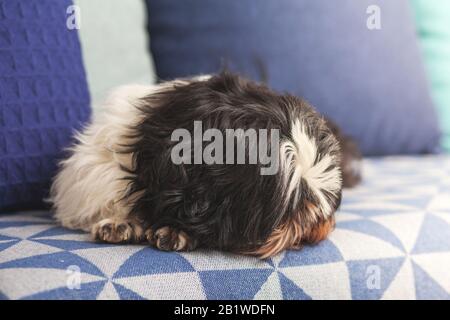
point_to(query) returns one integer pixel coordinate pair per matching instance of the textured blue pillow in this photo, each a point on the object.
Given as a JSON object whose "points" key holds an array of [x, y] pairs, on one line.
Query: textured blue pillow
{"points": [[43, 97], [371, 82]]}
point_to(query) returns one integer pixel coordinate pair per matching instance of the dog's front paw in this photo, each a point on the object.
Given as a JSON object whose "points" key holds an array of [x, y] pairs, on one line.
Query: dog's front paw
{"points": [[115, 231], [169, 239]]}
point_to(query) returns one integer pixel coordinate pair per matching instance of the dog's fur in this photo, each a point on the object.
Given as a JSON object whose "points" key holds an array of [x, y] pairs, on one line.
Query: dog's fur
{"points": [[120, 183]]}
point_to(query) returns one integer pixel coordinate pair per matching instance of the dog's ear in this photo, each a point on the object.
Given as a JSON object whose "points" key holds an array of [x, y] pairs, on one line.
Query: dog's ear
{"points": [[351, 163], [261, 72], [261, 67], [351, 157]]}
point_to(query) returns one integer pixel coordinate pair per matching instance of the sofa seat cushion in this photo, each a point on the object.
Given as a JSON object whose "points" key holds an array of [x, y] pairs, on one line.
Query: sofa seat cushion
{"points": [[392, 241]]}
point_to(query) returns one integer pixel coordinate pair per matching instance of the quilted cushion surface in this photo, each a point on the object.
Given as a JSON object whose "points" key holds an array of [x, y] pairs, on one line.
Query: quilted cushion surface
{"points": [[43, 96]]}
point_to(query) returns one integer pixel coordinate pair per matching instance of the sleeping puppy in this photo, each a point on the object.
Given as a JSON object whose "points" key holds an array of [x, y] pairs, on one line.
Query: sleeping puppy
{"points": [[123, 184]]}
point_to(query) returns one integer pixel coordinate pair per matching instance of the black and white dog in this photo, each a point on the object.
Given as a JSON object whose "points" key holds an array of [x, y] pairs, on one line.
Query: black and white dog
{"points": [[121, 184]]}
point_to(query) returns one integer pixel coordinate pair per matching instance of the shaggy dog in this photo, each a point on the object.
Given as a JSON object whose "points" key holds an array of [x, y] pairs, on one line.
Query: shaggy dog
{"points": [[121, 184]]}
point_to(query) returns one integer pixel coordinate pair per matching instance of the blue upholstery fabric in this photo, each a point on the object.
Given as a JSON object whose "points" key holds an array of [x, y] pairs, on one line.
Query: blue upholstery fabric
{"points": [[43, 96], [392, 241], [371, 82]]}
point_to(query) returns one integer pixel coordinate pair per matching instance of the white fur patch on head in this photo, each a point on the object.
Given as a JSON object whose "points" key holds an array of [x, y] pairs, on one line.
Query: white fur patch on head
{"points": [[300, 160]]}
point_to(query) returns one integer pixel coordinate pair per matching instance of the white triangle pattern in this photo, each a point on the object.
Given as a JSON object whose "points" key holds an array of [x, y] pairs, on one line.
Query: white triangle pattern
{"points": [[24, 249], [322, 282], [271, 289], [186, 285], [203, 260], [406, 232], [108, 292], [402, 287], [437, 265], [359, 246], [18, 283], [26, 231], [108, 261]]}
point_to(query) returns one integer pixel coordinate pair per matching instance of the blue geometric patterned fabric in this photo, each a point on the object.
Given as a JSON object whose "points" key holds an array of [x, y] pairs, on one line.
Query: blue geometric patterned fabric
{"points": [[43, 97], [392, 241]]}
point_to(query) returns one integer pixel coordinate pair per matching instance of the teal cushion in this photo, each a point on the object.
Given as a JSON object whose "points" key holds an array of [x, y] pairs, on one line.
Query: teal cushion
{"points": [[120, 55], [433, 24]]}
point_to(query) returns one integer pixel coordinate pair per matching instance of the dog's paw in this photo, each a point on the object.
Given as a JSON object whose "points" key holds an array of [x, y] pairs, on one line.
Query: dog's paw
{"points": [[169, 239], [116, 231]]}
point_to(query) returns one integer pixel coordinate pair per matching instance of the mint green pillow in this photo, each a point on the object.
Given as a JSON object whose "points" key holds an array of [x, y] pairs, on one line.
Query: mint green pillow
{"points": [[114, 41], [433, 25]]}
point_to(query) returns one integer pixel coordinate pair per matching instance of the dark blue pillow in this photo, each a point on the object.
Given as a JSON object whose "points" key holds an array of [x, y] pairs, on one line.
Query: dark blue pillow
{"points": [[43, 97], [371, 82]]}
